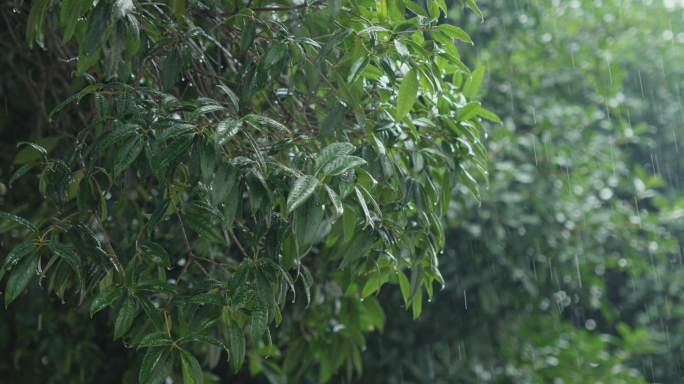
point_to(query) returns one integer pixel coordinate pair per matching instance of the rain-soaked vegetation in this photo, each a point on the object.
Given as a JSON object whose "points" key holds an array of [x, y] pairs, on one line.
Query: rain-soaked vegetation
{"points": [[372, 191]]}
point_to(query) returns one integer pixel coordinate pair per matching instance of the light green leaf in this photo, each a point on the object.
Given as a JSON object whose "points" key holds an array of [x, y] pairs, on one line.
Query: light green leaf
{"points": [[300, 192], [337, 203], [472, 84], [341, 164], [454, 32], [488, 115], [331, 152], [415, 8], [357, 69], [468, 111], [408, 91]]}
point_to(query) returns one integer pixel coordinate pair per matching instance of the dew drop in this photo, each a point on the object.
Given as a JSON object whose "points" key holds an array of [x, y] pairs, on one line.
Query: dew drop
{"points": [[63, 302]]}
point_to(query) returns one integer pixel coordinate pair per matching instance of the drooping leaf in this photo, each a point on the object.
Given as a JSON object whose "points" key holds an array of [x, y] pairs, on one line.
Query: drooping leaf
{"points": [[408, 90], [191, 366], [247, 37], [333, 120], [125, 318], [67, 254], [22, 171], [237, 345], [156, 217], [454, 32], [180, 144], [154, 357], [21, 275], [151, 312], [332, 151], [15, 255], [20, 221], [259, 319], [99, 21]]}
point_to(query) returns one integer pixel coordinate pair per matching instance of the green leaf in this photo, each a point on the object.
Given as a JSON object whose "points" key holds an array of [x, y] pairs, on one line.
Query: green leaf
{"points": [[405, 287], [66, 253], [21, 275], [454, 32], [333, 9], [37, 147], [408, 91], [22, 171], [127, 153], [357, 69], [337, 203], [35, 25], [173, 150], [473, 6], [333, 120], [224, 181], [106, 297], [468, 111], [155, 285], [225, 130], [257, 152], [194, 336], [237, 345], [415, 8], [301, 191], [162, 369], [125, 318], [273, 55], [99, 22], [342, 164], [204, 228], [174, 130], [332, 151], [209, 298], [348, 223], [308, 222], [190, 366], [416, 280], [259, 320], [268, 122], [170, 71], [15, 255], [157, 216], [332, 43], [154, 357], [247, 37], [472, 84], [157, 339], [156, 253], [488, 115], [207, 161], [151, 312], [20, 221]]}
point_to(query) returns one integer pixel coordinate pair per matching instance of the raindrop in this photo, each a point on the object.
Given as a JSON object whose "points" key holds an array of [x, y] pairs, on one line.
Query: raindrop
{"points": [[63, 302]]}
